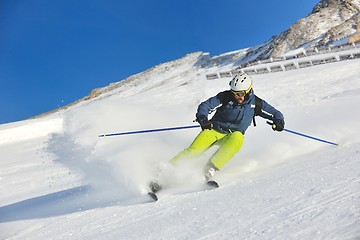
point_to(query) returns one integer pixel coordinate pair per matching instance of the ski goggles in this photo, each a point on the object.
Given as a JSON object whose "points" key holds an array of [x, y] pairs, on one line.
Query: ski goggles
{"points": [[241, 93]]}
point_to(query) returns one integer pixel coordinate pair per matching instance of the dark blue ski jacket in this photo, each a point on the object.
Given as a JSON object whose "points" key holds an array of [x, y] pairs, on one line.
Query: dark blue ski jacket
{"points": [[231, 116]]}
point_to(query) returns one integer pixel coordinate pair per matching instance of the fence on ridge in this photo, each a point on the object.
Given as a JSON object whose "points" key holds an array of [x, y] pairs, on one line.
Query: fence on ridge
{"points": [[306, 58]]}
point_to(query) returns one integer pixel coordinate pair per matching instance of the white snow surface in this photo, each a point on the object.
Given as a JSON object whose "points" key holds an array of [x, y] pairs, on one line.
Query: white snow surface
{"points": [[60, 181]]}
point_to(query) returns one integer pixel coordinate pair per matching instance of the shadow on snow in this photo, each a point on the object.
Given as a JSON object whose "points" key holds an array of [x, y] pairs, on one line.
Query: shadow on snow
{"points": [[64, 202]]}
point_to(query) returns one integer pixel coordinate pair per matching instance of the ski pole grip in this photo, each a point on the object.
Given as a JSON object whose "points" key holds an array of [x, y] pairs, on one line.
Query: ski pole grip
{"points": [[271, 124]]}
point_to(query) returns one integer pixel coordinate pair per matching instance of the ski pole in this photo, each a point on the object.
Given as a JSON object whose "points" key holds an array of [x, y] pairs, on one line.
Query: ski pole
{"points": [[148, 131], [307, 136]]}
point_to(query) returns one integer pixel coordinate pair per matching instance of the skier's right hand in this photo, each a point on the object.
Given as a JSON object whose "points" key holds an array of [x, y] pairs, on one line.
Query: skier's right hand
{"points": [[204, 122]]}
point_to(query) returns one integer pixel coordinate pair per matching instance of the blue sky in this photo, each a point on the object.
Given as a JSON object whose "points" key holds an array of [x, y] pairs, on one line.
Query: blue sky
{"points": [[53, 52]]}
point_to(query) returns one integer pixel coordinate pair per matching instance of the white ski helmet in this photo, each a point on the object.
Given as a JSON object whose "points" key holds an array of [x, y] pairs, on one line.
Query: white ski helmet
{"points": [[241, 82]]}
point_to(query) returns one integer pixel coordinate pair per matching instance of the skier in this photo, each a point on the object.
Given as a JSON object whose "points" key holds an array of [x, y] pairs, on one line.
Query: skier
{"points": [[234, 111]]}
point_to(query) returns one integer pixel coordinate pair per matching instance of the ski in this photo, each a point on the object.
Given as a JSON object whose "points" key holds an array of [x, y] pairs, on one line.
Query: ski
{"points": [[153, 196], [212, 184], [155, 187]]}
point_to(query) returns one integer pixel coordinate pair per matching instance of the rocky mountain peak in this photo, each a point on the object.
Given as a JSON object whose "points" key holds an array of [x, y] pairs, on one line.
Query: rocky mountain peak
{"points": [[350, 4], [329, 21]]}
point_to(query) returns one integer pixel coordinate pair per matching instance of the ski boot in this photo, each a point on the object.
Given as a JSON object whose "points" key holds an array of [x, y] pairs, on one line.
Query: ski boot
{"points": [[155, 186]]}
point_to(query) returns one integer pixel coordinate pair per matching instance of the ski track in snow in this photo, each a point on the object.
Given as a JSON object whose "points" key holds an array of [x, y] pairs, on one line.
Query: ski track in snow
{"points": [[60, 181]]}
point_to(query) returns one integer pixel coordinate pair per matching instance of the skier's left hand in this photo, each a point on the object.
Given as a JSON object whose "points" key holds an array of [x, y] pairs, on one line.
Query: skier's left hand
{"points": [[278, 125]]}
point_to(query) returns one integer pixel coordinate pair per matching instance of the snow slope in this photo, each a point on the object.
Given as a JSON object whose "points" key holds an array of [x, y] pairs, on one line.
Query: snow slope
{"points": [[60, 181]]}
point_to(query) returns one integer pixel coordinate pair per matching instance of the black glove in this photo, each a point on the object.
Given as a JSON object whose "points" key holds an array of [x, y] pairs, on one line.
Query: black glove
{"points": [[278, 125], [204, 122]]}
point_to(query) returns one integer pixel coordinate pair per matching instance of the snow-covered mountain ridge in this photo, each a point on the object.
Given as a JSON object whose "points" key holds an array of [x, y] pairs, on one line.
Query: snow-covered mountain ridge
{"points": [[329, 21]]}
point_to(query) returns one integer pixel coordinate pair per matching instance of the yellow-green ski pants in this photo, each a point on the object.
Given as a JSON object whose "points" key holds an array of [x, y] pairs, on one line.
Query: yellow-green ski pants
{"points": [[229, 144]]}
